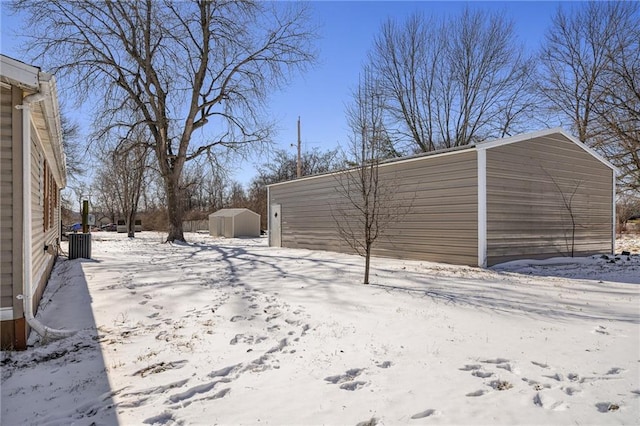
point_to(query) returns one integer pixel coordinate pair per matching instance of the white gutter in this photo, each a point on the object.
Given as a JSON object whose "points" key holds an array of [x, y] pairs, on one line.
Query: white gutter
{"points": [[27, 261]]}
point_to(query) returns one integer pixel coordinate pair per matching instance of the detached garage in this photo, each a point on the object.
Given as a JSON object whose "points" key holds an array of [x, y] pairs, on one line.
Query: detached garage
{"points": [[537, 195], [231, 223]]}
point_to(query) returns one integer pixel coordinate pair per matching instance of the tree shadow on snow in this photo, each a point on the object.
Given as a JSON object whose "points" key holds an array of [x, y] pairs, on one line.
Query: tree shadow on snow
{"points": [[533, 296]]}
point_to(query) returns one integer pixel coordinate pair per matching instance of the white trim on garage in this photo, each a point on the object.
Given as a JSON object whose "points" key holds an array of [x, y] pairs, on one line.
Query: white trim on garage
{"points": [[482, 207]]}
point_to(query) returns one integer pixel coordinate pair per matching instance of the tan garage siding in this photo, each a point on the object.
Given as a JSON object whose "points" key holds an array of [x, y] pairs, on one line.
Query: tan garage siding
{"points": [[526, 214], [440, 193], [6, 195]]}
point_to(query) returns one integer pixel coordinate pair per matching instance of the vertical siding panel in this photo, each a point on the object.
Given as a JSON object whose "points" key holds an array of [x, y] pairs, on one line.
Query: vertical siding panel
{"points": [[439, 193], [527, 215], [42, 261], [37, 210]]}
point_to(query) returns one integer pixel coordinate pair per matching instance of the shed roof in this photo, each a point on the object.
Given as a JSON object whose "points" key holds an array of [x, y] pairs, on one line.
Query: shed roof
{"points": [[232, 212], [557, 133]]}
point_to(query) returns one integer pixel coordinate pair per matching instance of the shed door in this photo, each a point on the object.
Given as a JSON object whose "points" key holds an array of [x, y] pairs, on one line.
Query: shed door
{"points": [[275, 230], [229, 227]]}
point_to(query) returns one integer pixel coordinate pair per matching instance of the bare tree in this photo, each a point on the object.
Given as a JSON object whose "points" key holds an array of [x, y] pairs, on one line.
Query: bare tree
{"points": [[283, 167], [124, 173], [451, 82], [198, 72], [236, 196], [106, 200], [590, 73], [367, 203], [627, 207], [72, 146], [618, 112]]}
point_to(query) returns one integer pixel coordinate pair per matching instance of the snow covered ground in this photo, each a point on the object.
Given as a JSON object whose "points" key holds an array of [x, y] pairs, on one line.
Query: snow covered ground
{"points": [[221, 331]]}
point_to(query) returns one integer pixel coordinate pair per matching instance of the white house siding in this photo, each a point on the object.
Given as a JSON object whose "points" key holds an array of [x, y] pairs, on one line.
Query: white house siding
{"points": [[42, 260], [438, 194], [47, 174], [526, 215]]}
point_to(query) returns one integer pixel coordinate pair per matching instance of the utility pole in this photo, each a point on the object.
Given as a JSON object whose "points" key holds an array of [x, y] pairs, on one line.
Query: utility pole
{"points": [[299, 163]]}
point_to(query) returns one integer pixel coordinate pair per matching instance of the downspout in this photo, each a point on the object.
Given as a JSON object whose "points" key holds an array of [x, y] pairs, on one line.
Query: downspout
{"points": [[27, 262]]}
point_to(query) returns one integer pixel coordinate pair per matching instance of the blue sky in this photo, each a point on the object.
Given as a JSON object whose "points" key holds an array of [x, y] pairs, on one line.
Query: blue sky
{"points": [[347, 30]]}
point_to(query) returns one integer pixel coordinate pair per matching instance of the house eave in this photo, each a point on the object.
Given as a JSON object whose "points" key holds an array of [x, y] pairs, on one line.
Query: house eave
{"points": [[19, 74], [45, 114]]}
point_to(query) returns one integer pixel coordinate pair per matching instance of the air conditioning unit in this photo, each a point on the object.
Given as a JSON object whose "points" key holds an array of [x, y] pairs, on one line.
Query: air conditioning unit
{"points": [[79, 246]]}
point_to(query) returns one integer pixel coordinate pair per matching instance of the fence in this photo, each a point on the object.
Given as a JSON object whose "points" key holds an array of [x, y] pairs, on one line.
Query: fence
{"points": [[195, 225]]}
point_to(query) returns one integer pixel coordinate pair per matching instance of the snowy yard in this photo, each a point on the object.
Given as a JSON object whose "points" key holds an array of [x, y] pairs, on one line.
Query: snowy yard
{"points": [[234, 332]]}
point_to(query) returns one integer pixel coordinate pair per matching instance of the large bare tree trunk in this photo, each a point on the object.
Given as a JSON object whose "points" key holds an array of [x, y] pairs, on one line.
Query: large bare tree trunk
{"points": [[131, 224], [174, 208]]}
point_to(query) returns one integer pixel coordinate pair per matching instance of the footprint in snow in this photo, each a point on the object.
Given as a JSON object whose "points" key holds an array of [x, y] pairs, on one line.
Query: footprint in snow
{"points": [[495, 361], [159, 367], [351, 386], [423, 414], [558, 376], [348, 376], [509, 367], [248, 339], [571, 391], [305, 328], [477, 393], [162, 419], [195, 390], [482, 374], [385, 364], [536, 385], [606, 407], [226, 371], [549, 403], [500, 385], [471, 367], [373, 421], [540, 364]]}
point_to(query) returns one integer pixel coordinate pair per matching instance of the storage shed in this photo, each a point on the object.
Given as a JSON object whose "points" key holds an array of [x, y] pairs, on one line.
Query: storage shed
{"points": [[32, 173], [536, 195], [231, 223]]}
